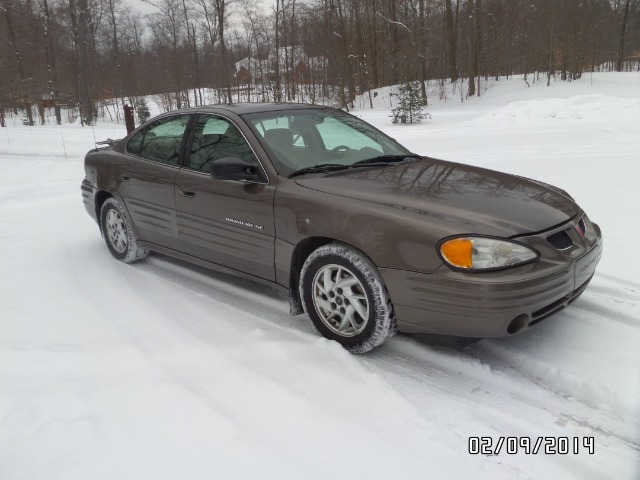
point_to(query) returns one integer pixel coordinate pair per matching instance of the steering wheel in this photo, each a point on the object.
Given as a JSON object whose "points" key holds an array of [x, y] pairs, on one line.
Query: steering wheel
{"points": [[339, 149]]}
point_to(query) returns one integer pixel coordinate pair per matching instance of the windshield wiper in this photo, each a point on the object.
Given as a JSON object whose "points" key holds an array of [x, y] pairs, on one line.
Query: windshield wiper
{"points": [[322, 167], [384, 160], [327, 167]]}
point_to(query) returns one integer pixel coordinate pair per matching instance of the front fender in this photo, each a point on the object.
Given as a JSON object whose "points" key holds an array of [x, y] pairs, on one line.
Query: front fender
{"points": [[392, 238]]}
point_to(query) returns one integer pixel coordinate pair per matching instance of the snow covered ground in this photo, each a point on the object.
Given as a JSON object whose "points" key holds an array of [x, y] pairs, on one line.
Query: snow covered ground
{"points": [[166, 371]]}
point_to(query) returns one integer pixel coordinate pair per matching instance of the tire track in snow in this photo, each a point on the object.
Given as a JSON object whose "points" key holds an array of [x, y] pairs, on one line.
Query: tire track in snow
{"points": [[488, 393], [606, 312], [499, 388]]}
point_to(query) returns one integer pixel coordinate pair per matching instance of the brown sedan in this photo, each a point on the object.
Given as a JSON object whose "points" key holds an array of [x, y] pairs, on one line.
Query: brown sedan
{"points": [[366, 237]]}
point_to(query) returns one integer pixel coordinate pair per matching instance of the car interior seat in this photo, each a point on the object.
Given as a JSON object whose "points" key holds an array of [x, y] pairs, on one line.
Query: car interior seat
{"points": [[280, 141]]}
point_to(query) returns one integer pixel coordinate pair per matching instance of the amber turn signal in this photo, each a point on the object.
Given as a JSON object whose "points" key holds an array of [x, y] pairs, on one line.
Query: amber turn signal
{"points": [[458, 252]]}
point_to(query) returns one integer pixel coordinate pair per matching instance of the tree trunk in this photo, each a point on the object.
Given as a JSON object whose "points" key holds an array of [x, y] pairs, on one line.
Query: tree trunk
{"points": [[278, 93], [471, 36], [52, 70], [293, 52], [12, 39], [423, 52], [363, 63], [220, 12], [477, 45], [252, 22], [86, 103], [287, 70], [395, 41], [623, 30], [451, 42], [197, 62], [116, 56], [210, 30], [192, 45], [347, 72], [552, 14], [375, 52]]}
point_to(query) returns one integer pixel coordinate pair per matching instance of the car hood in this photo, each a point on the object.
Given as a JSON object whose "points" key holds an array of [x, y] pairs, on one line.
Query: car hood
{"points": [[473, 199]]}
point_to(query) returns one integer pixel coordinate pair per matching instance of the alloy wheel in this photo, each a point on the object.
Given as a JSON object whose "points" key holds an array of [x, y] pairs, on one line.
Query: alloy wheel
{"points": [[116, 231], [340, 300]]}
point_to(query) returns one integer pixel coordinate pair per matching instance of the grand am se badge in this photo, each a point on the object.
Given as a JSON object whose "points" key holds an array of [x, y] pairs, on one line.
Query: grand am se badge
{"points": [[244, 224]]}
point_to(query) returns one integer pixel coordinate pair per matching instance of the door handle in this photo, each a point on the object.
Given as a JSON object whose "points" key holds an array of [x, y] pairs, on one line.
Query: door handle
{"points": [[186, 191], [125, 177]]}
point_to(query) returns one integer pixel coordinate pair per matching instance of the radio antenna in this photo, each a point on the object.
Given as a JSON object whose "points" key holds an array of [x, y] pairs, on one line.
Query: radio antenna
{"points": [[95, 143]]}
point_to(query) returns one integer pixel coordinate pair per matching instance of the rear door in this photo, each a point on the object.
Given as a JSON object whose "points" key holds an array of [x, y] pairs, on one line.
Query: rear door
{"points": [[147, 179], [222, 221]]}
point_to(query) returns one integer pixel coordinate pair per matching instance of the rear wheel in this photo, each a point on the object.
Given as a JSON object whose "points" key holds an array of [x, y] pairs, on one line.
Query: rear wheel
{"points": [[118, 234], [345, 298]]}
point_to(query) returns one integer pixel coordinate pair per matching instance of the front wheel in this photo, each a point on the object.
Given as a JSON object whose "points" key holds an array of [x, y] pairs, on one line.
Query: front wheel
{"points": [[118, 234], [345, 298]]}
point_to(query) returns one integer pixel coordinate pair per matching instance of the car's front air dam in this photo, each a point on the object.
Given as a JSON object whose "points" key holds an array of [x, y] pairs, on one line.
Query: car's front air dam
{"points": [[490, 304], [524, 321]]}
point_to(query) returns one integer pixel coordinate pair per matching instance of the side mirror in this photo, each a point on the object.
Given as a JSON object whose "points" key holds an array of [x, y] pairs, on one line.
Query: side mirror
{"points": [[234, 168]]}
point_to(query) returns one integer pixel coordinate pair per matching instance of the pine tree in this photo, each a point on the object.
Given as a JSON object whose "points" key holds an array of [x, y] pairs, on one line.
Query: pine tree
{"points": [[410, 103], [143, 110]]}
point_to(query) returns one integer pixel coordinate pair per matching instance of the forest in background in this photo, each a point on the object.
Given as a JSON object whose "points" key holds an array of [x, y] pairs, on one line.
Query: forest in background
{"points": [[80, 55]]}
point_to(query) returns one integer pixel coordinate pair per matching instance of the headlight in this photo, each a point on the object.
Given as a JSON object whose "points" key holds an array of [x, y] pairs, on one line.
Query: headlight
{"points": [[481, 253]]}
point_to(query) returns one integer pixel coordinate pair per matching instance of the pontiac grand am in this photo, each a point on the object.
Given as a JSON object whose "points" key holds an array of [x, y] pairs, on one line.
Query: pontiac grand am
{"points": [[364, 236]]}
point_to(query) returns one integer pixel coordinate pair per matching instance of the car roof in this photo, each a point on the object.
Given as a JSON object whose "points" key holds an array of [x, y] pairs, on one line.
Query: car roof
{"points": [[243, 108]]}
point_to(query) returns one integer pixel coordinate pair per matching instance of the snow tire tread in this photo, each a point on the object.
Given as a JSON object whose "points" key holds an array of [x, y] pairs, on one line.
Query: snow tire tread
{"points": [[385, 321]]}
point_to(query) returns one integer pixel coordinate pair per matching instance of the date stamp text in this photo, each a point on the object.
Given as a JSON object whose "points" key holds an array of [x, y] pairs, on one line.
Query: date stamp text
{"points": [[531, 445]]}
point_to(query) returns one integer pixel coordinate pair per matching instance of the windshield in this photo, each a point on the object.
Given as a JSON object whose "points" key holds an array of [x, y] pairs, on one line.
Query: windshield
{"points": [[297, 139]]}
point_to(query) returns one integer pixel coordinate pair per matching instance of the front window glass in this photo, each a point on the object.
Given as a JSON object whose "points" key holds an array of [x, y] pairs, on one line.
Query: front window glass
{"points": [[215, 138], [296, 139], [161, 140], [336, 133]]}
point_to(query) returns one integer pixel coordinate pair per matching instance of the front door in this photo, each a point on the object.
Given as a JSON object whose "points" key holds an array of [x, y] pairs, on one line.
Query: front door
{"points": [[225, 222]]}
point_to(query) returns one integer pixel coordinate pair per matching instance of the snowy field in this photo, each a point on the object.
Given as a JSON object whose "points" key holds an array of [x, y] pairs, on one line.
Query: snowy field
{"points": [[161, 370]]}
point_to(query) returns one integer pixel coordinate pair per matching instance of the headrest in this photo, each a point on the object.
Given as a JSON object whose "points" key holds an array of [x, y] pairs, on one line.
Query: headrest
{"points": [[279, 137]]}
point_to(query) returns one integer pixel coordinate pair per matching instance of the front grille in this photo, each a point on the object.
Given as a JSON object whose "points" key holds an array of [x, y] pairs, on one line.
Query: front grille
{"points": [[560, 240]]}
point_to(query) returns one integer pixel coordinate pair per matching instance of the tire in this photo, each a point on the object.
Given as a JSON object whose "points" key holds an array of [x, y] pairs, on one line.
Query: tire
{"points": [[118, 234], [344, 295]]}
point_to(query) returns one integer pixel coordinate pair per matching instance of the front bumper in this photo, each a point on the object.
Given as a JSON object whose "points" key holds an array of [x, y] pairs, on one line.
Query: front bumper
{"points": [[495, 304]]}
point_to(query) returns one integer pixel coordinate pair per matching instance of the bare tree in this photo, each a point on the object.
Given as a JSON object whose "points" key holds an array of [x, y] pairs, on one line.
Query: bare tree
{"points": [[52, 70], [251, 24], [552, 21], [6, 7], [623, 31], [111, 5], [220, 9], [451, 42], [472, 46], [87, 52], [278, 90]]}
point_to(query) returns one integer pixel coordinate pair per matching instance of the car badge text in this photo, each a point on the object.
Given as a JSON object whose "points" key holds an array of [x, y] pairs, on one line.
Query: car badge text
{"points": [[244, 224]]}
